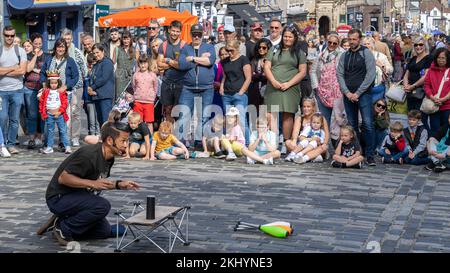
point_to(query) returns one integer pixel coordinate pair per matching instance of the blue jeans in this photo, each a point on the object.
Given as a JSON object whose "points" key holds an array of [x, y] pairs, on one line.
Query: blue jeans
{"points": [[2, 140], [394, 157], [83, 215], [50, 130], [437, 120], [187, 98], [417, 160], [241, 103], [364, 105], [324, 110], [31, 104], [380, 134], [103, 107], [91, 113], [11, 102]]}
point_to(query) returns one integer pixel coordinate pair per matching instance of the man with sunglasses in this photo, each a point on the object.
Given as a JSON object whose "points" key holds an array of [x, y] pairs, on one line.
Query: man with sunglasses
{"points": [[73, 194], [197, 59], [13, 65], [230, 34], [275, 31], [153, 33], [255, 35]]}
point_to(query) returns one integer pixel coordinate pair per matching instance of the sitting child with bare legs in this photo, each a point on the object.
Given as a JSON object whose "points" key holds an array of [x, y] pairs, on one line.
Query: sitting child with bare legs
{"points": [[348, 150], [310, 138], [263, 144], [139, 137], [165, 145], [211, 142], [234, 140]]}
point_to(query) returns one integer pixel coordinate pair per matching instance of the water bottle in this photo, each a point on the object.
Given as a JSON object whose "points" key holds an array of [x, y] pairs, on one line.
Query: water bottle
{"points": [[150, 215]]}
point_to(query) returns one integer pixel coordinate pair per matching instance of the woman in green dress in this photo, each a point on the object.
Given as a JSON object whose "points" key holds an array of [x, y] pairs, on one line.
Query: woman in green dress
{"points": [[285, 67], [124, 58]]}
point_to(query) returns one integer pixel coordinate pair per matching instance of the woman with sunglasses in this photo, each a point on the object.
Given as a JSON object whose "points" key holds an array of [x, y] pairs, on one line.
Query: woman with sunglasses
{"points": [[259, 80], [324, 78], [415, 77], [285, 68], [381, 121]]}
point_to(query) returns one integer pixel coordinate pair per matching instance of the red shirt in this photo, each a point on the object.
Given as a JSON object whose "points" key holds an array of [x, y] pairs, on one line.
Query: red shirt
{"points": [[433, 81]]}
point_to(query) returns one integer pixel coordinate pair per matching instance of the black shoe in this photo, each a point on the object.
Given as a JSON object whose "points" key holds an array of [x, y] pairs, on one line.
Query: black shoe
{"points": [[61, 147], [31, 144], [48, 226], [371, 161], [60, 237], [336, 164], [439, 168], [358, 166], [219, 155], [430, 166]]}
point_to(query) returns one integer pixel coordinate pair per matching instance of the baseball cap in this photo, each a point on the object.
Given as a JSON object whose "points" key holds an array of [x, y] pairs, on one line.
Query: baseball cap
{"points": [[196, 28], [114, 29], [229, 28], [233, 111], [220, 28], [256, 25]]}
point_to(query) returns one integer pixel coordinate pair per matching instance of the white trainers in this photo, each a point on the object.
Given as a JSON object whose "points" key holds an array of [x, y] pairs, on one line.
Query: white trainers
{"points": [[268, 161], [4, 152], [68, 150], [299, 160], [250, 161], [318, 159], [47, 150], [75, 142], [290, 156], [283, 148], [231, 156]]}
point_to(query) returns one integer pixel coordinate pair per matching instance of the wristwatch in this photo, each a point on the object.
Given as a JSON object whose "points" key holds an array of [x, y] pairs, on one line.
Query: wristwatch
{"points": [[117, 184], [167, 60]]}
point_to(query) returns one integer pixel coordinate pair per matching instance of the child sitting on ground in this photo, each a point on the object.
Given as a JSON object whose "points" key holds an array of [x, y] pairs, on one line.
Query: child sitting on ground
{"points": [[393, 149], [348, 150], [234, 140], [211, 142], [52, 107], [439, 149], [416, 140], [139, 137], [263, 144], [380, 121], [165, 145], [310, 138]]}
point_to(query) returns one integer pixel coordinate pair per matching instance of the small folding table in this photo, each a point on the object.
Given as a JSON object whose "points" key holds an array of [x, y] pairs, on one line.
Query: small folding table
{"points": [[168, 219]]}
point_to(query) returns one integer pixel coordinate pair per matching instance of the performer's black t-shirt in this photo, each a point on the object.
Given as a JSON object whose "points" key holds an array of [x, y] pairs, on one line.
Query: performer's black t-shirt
{"points": [[87, 163]]}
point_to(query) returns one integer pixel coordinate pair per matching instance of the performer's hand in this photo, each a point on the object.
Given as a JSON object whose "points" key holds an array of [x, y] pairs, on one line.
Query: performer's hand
{"points": [[103, 184], [128, 185]]}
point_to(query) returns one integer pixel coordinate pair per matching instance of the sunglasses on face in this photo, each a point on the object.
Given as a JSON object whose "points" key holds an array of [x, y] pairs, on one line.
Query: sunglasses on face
{"points": [[274, 27], [263, 47], [416, 45], [382, 106], [9, 36], [230, 50], [153, 28], [196, 35], [333, 43]]}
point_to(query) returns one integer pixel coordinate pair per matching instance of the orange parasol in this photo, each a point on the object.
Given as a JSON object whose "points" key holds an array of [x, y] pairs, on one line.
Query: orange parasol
{"points": [[142, 15]]}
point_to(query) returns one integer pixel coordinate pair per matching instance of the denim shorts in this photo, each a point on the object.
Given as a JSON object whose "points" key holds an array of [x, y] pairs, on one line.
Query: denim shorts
{"points": [[167, 151]]}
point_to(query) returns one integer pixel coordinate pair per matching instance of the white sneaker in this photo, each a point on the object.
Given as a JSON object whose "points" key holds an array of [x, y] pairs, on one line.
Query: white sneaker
{"points": [[231, 156], [250, 161], [290, 156], [25, 143], [47, 150], [68, 150], [4, 152], [75, 142], [299, 160], [268, 161], [318, 159], [38, 142], [283, 149]]}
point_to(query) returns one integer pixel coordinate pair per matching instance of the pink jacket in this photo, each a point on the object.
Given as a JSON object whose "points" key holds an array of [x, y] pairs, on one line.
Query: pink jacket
{"points": [[433, 81], [145, 85]]}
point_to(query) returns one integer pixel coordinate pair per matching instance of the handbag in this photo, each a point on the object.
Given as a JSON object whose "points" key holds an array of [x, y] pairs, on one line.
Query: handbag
{"points": [[418, 93], [429, 106], [396, 92]]}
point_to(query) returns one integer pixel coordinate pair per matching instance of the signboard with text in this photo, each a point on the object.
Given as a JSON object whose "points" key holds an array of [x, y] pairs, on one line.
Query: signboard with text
{"points": [[359, 17]]}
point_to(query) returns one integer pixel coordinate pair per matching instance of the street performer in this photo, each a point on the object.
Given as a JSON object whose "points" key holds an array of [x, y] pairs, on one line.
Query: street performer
{"points": [[72, 194]]}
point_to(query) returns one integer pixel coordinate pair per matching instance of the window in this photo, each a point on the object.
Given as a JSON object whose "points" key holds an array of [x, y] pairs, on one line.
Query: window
{"points": [[435, 13]]}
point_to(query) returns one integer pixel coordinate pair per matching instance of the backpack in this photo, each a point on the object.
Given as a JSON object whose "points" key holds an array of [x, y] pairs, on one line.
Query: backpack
{"points": [[16, 50], [164, 44]]}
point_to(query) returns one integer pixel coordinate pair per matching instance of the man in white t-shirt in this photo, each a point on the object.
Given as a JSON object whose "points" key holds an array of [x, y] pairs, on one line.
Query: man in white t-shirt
{"points": [[13, 63], [275, 31]]}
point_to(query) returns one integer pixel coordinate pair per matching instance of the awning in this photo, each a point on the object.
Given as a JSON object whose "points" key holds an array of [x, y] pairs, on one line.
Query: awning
{"points": [[247, 13], [35, 4]]}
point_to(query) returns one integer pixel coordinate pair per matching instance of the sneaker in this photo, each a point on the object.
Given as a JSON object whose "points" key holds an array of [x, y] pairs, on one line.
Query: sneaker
{"points": [[430, 166], [358, 166], [60, 237], [299, 160], [336, 164], [47, 150], [439, 168], [201, 154], [4, 152], [318, 159], [268, 161], [250, 161], [231, 156], [61, 147], [13, 150], [290, 157], [371, 161], [68, 150], [400, 161], [25, 143], [283, 149], [31, 144], [219, 155], [48, 226], [75, 142], [38, 142]]}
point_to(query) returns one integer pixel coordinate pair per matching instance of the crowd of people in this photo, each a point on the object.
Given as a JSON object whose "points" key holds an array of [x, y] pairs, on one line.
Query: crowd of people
{"points": [[289, 94]]}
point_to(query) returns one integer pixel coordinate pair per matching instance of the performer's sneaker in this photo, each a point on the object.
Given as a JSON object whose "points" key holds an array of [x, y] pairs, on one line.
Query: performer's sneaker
{"points": [[62, 239], [48, 226]]}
